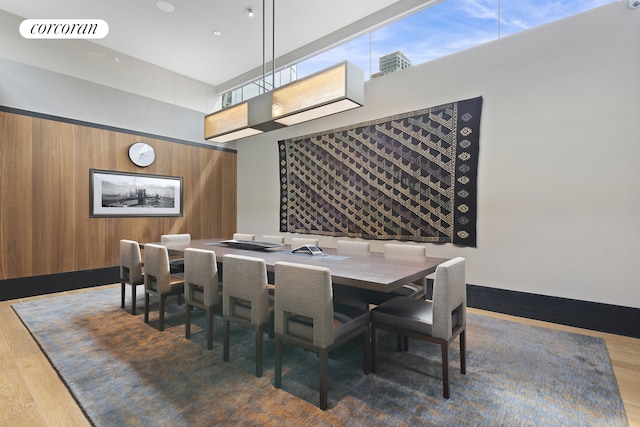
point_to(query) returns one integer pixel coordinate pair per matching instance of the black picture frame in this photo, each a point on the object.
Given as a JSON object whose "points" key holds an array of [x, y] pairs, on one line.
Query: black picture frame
{"points": [[126, 194]]}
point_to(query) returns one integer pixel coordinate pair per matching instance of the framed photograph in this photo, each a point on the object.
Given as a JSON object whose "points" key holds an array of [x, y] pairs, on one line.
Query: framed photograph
{"points": [[113, 194]]}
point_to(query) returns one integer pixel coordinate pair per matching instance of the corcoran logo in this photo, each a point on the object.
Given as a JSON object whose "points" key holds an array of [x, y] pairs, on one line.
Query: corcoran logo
{"points": [[64, 29]]}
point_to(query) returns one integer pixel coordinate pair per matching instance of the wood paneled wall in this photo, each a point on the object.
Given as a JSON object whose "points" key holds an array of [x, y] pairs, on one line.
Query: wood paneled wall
{"points": [[44, 194]]}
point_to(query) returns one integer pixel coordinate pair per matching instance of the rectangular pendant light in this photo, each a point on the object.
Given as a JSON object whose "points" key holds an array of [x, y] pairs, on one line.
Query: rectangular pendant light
{"points": [[229, 124], [326, 92], [248, 118]]}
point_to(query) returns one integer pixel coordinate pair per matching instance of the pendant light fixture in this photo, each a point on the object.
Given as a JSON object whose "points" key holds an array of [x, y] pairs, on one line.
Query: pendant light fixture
{"points": [[333, 90]]}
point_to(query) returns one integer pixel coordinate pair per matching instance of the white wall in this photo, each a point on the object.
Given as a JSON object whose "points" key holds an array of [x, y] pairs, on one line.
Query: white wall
{"points": [[559, 155]]}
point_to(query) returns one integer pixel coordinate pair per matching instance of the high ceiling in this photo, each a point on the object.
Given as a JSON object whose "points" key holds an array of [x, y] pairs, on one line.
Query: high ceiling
{"points": [[183, 41]]}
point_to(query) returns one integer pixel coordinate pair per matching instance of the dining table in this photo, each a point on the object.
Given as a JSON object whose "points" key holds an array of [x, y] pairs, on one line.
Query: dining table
{"points": [[373, 271]]}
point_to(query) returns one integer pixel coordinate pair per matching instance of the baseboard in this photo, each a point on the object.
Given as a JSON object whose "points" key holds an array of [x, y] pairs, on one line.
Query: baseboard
{"points": [[51, 283], [600, 317]]}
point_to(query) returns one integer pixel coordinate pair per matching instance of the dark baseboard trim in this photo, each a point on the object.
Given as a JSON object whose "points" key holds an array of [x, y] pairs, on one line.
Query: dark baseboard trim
{"points": [[51, 283], [600, 317], [595, 316]]}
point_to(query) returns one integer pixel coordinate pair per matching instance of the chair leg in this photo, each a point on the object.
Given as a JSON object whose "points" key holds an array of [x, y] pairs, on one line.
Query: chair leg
{"points": [[366, 352], [225, 341], [209, 328], [133, 299], [187, 321], [374, 349], [259, 337], [463, 352], [146, 307], [278, 364], [323, 377], [445, 370], [162, 301], [122, 292]]}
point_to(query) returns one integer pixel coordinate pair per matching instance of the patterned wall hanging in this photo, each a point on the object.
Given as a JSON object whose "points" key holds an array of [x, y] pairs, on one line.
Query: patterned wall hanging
{"points": [[408, 177]]}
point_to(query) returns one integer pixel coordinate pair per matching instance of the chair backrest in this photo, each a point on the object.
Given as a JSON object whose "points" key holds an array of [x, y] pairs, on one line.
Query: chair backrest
{"points": [[273, 239], [304, 290], [449, 294], [300, 241], [156, 268], [352, 247], [175, 238], [130, 262], [245, 278], [404, 249], [201, 277], [243, 236]]}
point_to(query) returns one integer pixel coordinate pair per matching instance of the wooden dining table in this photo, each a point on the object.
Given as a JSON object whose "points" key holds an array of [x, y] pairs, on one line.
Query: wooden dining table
{"points": [[373, 271]]}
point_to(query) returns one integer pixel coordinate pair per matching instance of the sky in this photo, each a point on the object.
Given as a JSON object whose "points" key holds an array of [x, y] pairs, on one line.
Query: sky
{"points": [[448, 27]]}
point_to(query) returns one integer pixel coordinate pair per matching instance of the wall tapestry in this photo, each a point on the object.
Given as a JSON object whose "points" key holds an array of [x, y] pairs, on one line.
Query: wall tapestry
{"points": [[407, 177]]}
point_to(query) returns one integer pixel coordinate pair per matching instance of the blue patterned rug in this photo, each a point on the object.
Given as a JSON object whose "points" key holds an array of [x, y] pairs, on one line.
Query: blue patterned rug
{"points": [[124, 372]]}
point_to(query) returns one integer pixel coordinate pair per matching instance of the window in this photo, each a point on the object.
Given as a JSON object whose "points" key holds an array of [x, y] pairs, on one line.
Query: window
{"points": [[448, 27]]}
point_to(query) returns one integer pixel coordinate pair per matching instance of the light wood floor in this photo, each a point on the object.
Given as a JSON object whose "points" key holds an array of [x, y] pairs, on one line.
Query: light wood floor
{"points": [[32, 394]]}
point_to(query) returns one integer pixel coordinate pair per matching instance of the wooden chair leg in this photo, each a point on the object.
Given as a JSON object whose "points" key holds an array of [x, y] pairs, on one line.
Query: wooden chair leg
{"points": [[373, 349], [259, 333], [445, 370], [225, 341], [278, 364], [122, 292], [463, 352], [162, 301], [146, 307], [324, 380], [209, 328], [133, 299], [366, 352], [187, 321]]}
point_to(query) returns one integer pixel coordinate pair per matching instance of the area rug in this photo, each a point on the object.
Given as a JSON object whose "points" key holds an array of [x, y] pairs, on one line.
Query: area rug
{"points": [[124, 372]]}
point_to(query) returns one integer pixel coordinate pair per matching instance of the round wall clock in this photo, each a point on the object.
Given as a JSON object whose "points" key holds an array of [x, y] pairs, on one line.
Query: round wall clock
{"points": [[142, 154]]}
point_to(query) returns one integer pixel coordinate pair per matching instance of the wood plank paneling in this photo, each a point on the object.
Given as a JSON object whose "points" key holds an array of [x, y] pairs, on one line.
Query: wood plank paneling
{"points": [[16, 195], [45, 226]]}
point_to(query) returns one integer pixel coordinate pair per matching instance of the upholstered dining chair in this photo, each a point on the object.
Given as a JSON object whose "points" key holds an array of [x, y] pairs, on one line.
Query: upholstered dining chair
{"points": [[158, 281], [131, 270], [306, 316], [273, 238], [244, 236], [440, 321], [245, 300], [201, 288], [353, 247], [300, 241], [176, 264]]}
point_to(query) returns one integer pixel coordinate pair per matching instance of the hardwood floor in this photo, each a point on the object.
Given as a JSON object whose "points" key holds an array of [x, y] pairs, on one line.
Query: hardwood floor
{"points": [[32, 394]]}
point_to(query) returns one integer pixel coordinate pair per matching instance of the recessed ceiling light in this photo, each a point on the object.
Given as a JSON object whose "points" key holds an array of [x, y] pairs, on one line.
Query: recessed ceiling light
{"points": [[250, 12], [165, 6]]}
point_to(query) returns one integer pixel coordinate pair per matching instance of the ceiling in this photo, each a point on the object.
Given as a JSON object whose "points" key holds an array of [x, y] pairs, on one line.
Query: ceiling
{"points": [[183, 41]]}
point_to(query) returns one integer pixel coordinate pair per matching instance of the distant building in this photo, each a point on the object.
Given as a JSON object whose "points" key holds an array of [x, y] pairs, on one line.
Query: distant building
{"points": [[392, 62]]}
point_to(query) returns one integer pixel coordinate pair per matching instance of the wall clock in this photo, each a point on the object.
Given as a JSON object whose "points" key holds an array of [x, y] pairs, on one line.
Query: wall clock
{"points": [[142, 154]]}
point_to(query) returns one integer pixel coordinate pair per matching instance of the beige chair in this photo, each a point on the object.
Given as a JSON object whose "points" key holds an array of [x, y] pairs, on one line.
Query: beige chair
{"points": [[245, 300], [418, 289], [352, 247], [158, 281], [201, 288], [273, 239], [177, 264], [131, 272], [243, 236], [440, 321], [306, 316], [300, 241]]}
